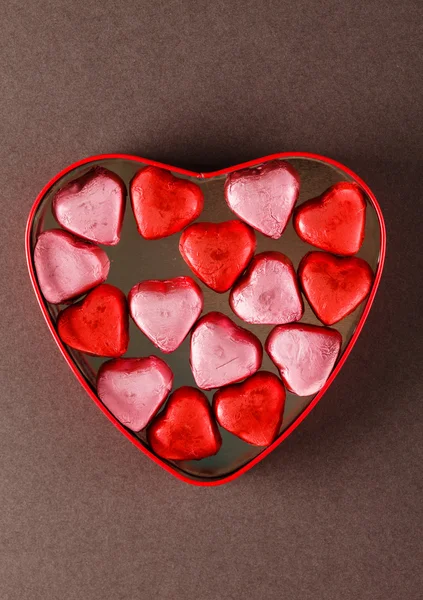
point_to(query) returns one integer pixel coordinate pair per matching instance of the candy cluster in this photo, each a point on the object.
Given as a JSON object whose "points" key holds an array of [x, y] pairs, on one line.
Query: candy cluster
{"points": [[264, 289]]}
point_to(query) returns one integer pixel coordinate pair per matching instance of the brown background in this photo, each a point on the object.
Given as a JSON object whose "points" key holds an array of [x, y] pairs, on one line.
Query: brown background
{"points": [[334, 512]]}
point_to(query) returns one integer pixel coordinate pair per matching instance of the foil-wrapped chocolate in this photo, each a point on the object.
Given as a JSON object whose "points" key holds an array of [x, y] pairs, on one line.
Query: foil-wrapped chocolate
{"points": [[66, 266], [186, 428], [166, 310], [134, 389], [268, 292], [252, 410], [218, 252], [222, 353], [304, 354]]}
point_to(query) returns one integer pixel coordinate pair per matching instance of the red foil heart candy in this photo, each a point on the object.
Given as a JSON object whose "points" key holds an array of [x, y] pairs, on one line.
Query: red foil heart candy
{"points": [[264, 197], [304, 354], [162, 203], [165, 311], [218, 252], [252, 410], [67, 267], [185, 429], [334, 286], [98, 324], [335, 220], [134, 389], [222, 353], [268, 292], [92, 206]]}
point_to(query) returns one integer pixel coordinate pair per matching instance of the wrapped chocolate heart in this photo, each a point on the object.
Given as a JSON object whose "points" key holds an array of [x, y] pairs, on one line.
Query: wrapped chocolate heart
{"points": [[268, 292], [335, 220], [334, 287], [252, 410], [304, 354], [165, 311], [66, 266], [186, 429], [264, 196], [222, 353], [134, 389], [92, 206], [162, 203], [218, 252], [98, 324]]}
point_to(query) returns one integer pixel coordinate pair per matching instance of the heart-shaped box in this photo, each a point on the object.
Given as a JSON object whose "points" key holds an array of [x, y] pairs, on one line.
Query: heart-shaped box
{"points": [[134, 259]]}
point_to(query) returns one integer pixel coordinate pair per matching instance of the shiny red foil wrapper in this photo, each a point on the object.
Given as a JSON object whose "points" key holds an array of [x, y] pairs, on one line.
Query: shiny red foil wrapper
{"points": [[268, 292], [264, 196], [166, 310], [218, 252], [222, 353], [304, 354], [334, 286], [186, 428], [98, 324], [335, 220], [252, 410], [92, 206], [134, 389], [66, 266], [162, 203]]}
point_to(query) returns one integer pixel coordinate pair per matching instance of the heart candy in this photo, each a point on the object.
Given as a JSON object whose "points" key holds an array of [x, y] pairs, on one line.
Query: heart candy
{"points": [[335, 220], [268, 292], [304, 354], [67, 267], [334, 286], [264, 196], [162, 203], [185, 429], [218, 252], [165, 311], [98, 324], [134, 389], [221, 352], [252, 410], [92, 206]]}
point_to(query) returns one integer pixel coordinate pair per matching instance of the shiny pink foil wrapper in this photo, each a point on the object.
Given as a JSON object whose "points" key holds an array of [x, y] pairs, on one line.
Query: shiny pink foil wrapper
{"points": [[165, 311], [67, 267], [268, 292], [264, 196], [92, 206], [304, 354], [134, 389], [222, 353]]}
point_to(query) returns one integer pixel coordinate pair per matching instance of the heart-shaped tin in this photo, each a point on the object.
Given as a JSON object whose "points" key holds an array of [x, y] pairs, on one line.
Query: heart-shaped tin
{"points": [[136, 259]]}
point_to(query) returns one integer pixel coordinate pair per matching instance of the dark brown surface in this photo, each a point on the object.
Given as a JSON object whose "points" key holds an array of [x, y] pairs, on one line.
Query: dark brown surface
{"points": [[334, 512]]}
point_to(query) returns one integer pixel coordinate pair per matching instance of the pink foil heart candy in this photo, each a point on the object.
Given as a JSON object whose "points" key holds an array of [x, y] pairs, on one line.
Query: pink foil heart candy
{"points": [[134, 389], [268, 292], [264, 197], [165, 311], [92, 206], [304, 354], [66, 266], [222, 353]]}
